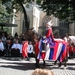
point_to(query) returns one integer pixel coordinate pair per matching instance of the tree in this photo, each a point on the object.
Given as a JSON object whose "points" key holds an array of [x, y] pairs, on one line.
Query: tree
{"points": [[63, 9], [3, 13], [19, 6]]}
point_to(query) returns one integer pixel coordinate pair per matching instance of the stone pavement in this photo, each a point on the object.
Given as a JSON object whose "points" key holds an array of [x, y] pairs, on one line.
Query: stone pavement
{"points": [[17, 66]]}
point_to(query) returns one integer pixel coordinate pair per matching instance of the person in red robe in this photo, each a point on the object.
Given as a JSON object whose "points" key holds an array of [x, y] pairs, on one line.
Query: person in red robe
{"points": [[25, 49], [48, 38]]}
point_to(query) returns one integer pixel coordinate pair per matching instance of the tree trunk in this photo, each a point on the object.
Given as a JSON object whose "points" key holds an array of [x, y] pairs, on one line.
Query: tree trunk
{"points": [[25, 16]]}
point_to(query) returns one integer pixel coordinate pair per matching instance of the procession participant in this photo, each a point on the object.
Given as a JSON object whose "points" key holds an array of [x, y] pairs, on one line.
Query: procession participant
{"points": [[47, 40], [25, 49], [67, 38], [55, 48], [40, 47], [71, 45], [48, 30]]}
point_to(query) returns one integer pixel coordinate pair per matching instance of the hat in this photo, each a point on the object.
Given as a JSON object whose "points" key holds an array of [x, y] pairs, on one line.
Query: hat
{"points": [[50, 23]]}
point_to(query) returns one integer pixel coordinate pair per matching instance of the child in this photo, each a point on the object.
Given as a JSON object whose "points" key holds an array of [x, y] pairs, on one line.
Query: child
{"points": [[30, 49], [42, 72]]}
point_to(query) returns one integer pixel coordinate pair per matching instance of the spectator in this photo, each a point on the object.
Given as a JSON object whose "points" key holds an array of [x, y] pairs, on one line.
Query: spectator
{"points": [[42, 72], [15, 49], [30, 49], [16, 34], [3, 39], [1, 47], [7, 50]]}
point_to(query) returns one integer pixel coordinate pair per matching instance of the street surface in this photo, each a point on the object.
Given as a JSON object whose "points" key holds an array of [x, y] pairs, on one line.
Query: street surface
{"points": [[17, 66]]}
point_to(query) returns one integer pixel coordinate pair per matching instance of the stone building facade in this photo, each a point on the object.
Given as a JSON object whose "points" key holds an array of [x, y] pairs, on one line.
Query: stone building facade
{"points": [[36, 17]]}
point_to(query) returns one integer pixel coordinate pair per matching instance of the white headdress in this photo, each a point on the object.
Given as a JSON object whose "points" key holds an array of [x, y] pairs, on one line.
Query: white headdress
{"points": [[50, 23]]}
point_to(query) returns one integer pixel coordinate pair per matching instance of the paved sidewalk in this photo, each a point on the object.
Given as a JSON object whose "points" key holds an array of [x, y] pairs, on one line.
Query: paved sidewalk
{"points": [[17, 66], [70, 69]]}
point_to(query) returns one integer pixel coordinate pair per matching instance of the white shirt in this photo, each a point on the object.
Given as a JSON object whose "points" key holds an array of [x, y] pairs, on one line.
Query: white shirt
{"points": [[1, 46], [16, 46], [30, 48]]}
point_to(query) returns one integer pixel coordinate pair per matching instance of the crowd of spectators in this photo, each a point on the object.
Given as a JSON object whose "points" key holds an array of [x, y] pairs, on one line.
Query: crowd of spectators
{"points": [[12, 45]]}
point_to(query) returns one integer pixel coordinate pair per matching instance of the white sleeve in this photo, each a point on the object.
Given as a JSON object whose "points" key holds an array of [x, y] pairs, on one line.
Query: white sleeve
{"points": [[19, 46], [13, 46], [2, 46]]}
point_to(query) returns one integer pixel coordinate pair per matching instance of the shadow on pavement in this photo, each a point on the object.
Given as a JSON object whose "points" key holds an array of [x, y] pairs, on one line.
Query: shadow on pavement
{"points": [[11, 58], [71, 68], [16, 63], [19, 66], [29, 65]]}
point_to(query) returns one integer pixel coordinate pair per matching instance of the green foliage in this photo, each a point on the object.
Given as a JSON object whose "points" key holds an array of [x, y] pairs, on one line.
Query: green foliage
{"points": [[6, 29], [3, 13], [60, 8], [43, 31], [19, 6], [16, 4], [56, 32], [39, 1]]}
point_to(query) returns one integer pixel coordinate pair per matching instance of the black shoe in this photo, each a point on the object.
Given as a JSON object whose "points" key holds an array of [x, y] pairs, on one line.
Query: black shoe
{"points": [[27, 58], [59, 65], [55, 62]]}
